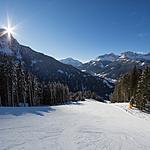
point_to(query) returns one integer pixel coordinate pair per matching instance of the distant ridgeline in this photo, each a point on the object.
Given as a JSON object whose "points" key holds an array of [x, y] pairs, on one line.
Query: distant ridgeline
{"points": [[134, 84]]}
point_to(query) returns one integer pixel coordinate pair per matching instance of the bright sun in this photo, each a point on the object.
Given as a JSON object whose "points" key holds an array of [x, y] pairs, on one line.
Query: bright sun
{"points": [[9, 29]]}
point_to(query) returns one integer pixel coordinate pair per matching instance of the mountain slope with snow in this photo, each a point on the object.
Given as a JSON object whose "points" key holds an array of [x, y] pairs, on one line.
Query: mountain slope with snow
{"points": [[71, 61], [79, 126], [113, 66], [107, 57], [135, 56]]}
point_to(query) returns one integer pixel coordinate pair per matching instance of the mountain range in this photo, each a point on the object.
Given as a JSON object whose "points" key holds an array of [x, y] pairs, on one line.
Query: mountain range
{"points": [[112, 66], [48, 69], [96, 75]]}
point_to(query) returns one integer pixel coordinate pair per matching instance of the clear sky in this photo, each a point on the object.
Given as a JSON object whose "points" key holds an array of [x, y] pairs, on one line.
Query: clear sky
{"points": [[82, 29]]}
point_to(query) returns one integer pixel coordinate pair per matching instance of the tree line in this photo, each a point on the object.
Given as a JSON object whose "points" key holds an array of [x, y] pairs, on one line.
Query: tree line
{"points": [[19, 87], [136, 85]]}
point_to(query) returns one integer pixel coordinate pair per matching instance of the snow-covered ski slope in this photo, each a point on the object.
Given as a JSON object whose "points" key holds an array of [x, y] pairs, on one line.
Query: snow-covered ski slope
{"points": [[88, 125]]}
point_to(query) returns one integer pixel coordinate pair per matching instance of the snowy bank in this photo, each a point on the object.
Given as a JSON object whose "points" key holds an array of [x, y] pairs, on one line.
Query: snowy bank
{"points": [[134, 111]]}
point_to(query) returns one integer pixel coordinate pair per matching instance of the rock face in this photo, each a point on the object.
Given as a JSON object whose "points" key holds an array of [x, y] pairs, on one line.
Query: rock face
{"points": [[47, 68]]}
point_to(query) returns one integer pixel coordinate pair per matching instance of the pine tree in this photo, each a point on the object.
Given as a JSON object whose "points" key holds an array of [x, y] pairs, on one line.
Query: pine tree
{"points": [[116, 96], [147, 88], [126, 86], [143, 89], [22, 86], [134, 78]]}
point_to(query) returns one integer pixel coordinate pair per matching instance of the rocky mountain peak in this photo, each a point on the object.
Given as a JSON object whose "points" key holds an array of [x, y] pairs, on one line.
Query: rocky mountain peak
{"points": [[107, 57], [8, 45], [134, 56], [71, 61]]}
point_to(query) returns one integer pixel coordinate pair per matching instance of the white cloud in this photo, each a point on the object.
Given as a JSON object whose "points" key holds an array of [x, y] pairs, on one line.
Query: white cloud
{"points": [[142, 35]]}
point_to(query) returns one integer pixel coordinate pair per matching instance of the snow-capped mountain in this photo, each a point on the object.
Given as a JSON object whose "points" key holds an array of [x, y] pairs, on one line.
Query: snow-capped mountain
{"points": [[71, 61], [112, 66], [48, 69], [9, 45], [135, 56], [4, 43], [95, 66], [107, 57]]}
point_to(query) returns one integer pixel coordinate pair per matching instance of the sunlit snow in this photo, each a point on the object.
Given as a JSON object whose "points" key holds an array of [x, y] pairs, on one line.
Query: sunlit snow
{"points": [[88, 125]]}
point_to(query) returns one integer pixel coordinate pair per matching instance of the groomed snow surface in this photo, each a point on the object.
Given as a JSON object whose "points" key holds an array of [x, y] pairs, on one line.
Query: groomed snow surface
{"points": [[87, 125]]}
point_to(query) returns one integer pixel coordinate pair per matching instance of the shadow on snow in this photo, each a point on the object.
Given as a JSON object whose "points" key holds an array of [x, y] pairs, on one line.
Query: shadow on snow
{"points": [[74, 103], [17, 111]]}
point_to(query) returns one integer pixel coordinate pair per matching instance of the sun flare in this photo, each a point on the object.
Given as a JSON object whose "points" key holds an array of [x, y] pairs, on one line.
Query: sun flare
{"points": [[9, 29]]}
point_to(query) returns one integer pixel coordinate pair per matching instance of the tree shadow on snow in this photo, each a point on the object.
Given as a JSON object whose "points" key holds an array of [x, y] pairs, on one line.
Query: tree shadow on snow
{"points": [[74, 103], [18, 111]]}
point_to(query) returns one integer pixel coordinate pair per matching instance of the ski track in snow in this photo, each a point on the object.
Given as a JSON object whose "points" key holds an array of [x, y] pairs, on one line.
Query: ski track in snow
{"points": [[88, 125]]}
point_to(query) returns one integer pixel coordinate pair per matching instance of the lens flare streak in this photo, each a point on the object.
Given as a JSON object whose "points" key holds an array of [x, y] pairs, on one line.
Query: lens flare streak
{"points": [[8, 29]]}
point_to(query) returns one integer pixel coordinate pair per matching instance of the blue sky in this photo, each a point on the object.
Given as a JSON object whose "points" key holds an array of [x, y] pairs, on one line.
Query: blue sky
{"points": [[82, 29]]}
